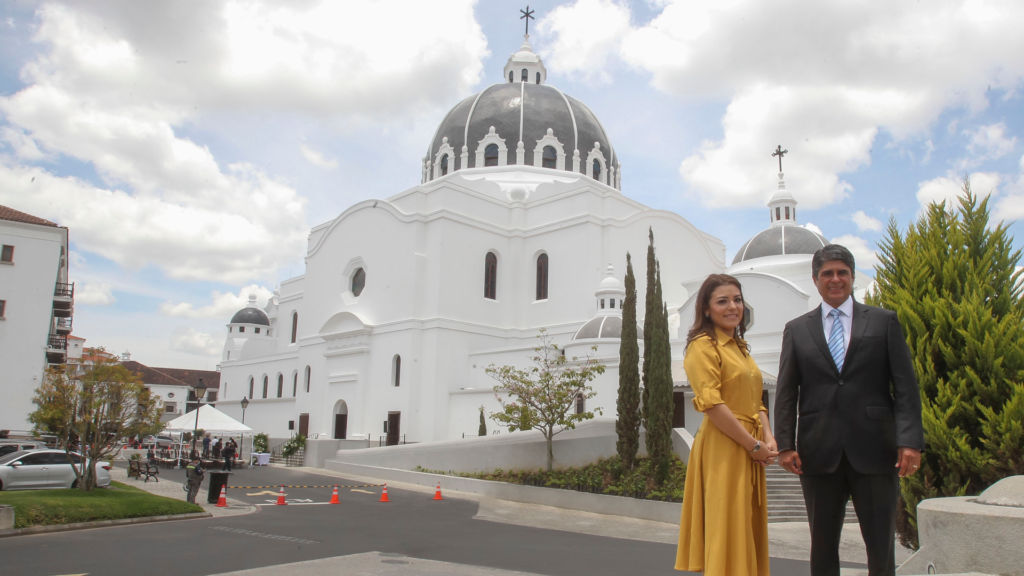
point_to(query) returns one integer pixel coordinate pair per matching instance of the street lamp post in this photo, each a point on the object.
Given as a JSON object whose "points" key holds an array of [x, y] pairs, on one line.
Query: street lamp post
{"points": [[245, 404], [200, 390]]}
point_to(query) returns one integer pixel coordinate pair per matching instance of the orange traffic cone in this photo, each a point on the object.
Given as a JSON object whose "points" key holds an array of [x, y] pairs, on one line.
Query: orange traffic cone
{"points": [[280, 497], [334, 497], [437, 495], [222, 502], [384, 494]]}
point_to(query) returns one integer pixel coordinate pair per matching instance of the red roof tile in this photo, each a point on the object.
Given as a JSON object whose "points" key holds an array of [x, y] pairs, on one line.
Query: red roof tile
{"points": [[18, 216], [173, 376]]}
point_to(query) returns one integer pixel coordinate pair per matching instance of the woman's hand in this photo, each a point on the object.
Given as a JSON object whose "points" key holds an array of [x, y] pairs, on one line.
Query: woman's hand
{"points": [[765, 455], [773, 448]]}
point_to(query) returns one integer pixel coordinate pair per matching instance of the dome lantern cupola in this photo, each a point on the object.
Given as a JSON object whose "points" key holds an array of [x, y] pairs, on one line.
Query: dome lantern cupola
{"points": [[526, 65], [251, 314], [608, 321], [782, 206]]}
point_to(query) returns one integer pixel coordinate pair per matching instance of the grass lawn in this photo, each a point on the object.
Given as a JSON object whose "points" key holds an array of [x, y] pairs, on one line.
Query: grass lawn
{"points": [[46, 507]]}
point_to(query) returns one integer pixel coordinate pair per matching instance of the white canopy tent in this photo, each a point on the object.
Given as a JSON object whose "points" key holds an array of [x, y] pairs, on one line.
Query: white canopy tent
{"points": [[210, 420]]}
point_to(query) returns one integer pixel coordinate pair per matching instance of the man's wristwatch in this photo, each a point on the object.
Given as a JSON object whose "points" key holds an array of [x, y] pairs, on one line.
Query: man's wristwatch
{"points": [[756, 447]]}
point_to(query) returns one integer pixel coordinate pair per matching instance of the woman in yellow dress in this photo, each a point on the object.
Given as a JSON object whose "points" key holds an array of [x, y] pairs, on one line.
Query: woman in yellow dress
{"points": [[724, 526]]}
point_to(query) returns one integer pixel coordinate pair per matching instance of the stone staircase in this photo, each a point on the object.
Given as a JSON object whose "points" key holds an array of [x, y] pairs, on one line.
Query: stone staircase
{"points": [[786, 500], [277, 459]]}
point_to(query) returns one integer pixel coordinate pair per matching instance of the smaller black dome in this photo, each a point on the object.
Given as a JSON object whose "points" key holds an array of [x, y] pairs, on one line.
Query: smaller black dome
{"points": [[250, 316], [780, 240]]}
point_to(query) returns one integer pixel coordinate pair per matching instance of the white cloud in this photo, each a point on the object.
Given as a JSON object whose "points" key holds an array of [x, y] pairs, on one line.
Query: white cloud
{"points": [[986, 143], [96, 294], [317, 158], [820, 78], [949, 187], [117, 89], [865, 222], [814, 228], [865, 256], [191, 341], [585, 36], [224, 304]]}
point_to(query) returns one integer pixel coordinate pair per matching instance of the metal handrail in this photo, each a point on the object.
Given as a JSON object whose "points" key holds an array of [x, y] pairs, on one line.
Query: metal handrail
{"points": [[64, 322], [383, 441], [64, 289], [57, 342]]}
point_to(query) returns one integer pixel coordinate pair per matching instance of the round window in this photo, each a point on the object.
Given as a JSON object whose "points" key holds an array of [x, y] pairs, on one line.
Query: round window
{"points": [[170, 394], [358, 281]]}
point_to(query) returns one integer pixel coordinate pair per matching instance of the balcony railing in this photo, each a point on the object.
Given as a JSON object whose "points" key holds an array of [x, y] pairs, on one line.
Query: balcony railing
{"points": [[64, 290], [57, 342], [64, 326]]}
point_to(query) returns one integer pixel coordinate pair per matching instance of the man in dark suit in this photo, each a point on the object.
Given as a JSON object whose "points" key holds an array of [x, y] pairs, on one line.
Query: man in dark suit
{"points": [[847, 415]]}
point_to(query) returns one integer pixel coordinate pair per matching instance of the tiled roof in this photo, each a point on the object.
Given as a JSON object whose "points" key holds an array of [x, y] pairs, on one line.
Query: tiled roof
{"points": [[174, 376], [18, 216]]}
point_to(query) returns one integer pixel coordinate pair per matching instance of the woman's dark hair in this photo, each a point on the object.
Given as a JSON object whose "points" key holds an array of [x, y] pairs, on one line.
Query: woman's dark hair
{"points": [[702, 323]]}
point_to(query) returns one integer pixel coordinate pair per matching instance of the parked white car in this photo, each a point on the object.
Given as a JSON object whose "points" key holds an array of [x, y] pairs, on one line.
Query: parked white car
{"points": [[42, 469], [11, 446]]}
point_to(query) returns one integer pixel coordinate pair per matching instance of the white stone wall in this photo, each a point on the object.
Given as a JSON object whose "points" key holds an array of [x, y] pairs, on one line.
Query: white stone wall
{"points": [[27, 285]]}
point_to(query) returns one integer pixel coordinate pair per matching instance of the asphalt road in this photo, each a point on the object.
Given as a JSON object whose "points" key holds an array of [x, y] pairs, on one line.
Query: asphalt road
{"points": [[412, 524]]}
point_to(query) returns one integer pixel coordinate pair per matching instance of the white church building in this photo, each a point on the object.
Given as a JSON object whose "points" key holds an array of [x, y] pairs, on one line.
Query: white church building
{"points": [[519, 223]]}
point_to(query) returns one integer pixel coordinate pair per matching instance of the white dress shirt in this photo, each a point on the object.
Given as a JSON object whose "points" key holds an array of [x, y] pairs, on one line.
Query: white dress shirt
{"points": [[845, 316]]}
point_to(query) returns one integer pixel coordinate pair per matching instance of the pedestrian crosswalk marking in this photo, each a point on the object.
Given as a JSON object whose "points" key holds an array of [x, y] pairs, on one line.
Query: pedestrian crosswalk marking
{"points": [[363, 491]]}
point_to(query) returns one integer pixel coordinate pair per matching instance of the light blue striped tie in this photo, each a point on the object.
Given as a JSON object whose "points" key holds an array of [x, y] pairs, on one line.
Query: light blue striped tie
{"points": [[835, 340]]}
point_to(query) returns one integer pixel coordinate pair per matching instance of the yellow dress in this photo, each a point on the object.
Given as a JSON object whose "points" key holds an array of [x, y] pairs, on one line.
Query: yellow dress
{"points": [[724, 526]]}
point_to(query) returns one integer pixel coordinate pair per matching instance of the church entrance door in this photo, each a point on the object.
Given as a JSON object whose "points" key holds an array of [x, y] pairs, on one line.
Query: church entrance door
{"points": [[304, 424], [679, 410], [340, 426], [394, 421]]}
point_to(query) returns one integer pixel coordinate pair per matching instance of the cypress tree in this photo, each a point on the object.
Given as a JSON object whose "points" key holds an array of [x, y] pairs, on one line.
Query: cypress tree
{"points": [[951, 279], [627, 425], [482, 430], [652, 306], [658, 437]]}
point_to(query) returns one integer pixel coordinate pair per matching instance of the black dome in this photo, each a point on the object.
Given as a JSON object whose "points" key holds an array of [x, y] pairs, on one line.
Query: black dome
{"points": [[250, 316], [781, 240], [539, 106], [604, 327]]}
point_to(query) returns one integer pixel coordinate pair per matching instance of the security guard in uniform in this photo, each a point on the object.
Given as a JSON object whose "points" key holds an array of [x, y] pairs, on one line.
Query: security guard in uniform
{"points": [[195, 474]]}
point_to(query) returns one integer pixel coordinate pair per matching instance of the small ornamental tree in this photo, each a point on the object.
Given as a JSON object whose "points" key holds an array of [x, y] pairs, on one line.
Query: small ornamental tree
{"points": [[89, 411], [627, 423], [482, 430], [545, 396], [953, 282]]}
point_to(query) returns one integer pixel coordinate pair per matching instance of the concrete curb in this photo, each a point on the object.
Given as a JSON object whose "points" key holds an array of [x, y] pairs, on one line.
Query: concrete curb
{"points": [[668, 512], [101, 524]]}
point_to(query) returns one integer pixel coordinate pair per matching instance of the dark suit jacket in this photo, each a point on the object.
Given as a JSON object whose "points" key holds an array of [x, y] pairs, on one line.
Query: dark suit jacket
{"points": [[868, 410]]}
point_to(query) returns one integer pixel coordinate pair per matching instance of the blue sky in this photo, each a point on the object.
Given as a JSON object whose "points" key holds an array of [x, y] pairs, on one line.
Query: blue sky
{"points": [[189, 147]]}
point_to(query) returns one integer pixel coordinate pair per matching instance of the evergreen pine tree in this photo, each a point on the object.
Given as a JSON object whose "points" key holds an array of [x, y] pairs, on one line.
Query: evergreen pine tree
{"points": [[652, 307], [627, 425], [952, 280]]}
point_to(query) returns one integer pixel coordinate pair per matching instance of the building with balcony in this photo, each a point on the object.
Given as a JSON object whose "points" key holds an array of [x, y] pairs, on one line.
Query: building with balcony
{"points": [[173, 386], [37, 303]]}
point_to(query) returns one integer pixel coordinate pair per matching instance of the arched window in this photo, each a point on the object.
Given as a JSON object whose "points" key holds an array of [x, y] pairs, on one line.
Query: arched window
{"points": [[295, 325], [444, 165], [778, 213], [538, 77], [266, 382], [396, 370], [597, 170], [511, 76], [491, 155], [526, 75], [542, 277], [280, 385], [252, 385], [358, 281], [581, 404], [550, 157], [491, 276], [307, 379], [787, 212], [295, 385]]}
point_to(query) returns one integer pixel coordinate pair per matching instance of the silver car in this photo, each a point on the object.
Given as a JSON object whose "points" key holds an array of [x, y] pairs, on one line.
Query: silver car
{"points": [[42, 469], [8, 446]]}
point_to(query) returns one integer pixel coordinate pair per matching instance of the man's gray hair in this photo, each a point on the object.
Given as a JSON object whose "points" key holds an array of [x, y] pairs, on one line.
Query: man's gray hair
{"points": [[830, 253]]}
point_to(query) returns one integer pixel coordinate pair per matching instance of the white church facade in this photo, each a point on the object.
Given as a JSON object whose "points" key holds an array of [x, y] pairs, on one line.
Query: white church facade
{"points": [[518, 224]]}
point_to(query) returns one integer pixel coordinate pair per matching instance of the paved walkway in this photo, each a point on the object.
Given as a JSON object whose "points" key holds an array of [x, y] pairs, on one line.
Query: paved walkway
{"points": [[374, 564], [790, 540], [170, 486]]}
